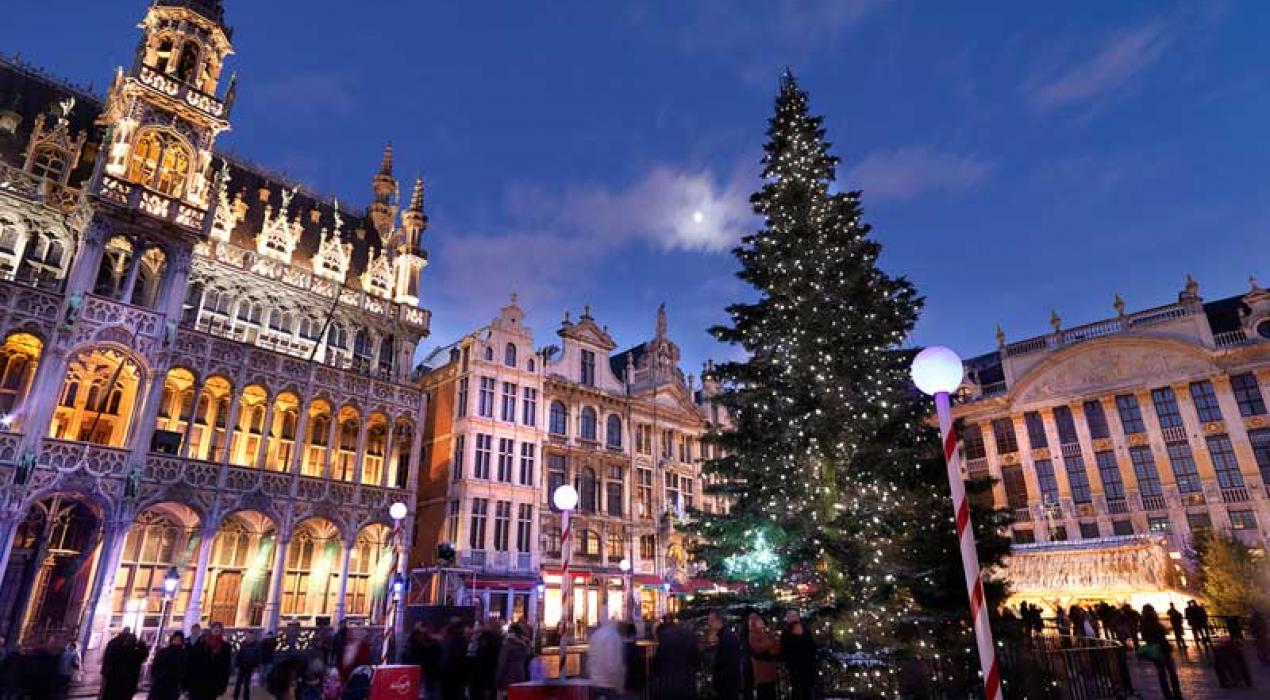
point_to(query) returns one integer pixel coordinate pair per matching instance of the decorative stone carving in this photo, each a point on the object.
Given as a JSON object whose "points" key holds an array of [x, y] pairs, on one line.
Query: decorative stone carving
{"points": [[1104, 366]]}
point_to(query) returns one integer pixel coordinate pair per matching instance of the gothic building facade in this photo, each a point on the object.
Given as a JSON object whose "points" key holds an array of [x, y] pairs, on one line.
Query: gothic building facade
{"points": [[1149, 425], [509, 424], [207, 370]]}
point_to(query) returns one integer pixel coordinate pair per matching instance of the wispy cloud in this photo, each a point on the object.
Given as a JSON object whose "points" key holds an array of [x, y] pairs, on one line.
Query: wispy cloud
{"points": [[912, 171], [329, 92], [1115, 63], [545, 244]]}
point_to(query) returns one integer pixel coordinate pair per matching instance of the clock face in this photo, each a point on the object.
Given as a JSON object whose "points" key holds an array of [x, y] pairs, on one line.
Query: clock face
{"points": [[1263, 329]]}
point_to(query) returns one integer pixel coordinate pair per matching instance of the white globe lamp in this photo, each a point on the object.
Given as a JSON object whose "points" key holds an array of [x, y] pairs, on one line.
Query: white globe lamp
{"points": [[565, 497], [624, 565], [937, 370], [397, 511]]}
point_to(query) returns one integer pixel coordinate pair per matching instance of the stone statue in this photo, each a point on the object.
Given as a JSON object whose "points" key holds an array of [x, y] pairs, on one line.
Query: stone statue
{"points": [[169, 334], [133, 487], [26, 465], [74, 304]]}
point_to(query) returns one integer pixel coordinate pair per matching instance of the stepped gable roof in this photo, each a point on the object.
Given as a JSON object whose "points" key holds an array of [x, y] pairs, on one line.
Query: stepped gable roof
{"points": [[30, 92]]}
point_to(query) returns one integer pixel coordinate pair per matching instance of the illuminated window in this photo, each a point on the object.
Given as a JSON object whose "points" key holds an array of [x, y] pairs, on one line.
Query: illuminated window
{"points": [[160, 161], [1243, 520]]}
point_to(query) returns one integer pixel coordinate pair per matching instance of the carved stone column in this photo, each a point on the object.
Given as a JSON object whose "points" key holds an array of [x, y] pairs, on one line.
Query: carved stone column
{"points": [[194, 609], [187, 438], [346, 558], [42, 400], [332, 434], [88, 255], [273, 605], [96, 615], [301, 444], [266, 431], [144, 428], [362, 431]]}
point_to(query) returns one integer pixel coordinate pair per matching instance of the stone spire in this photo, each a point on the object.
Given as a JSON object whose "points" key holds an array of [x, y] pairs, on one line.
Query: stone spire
{"points": [[383, 209], [661, 320], [414, 221]]}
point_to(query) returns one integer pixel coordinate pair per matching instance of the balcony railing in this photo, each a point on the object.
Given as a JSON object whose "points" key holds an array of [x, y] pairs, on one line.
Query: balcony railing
{"points": [[1232, 339], [1022, 515], [159, 206], [182, 92], [24, 185], [1070, 450], [1235, 494], [1154, 503], [1175, 433], [1117, 506], [1098, 329], [977, 468], [98, 460]]}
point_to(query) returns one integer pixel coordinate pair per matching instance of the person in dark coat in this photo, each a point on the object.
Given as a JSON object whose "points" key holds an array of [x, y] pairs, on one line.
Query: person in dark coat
{"points": [[454, 662], [489, 644], [798, 653], [636, 674], [246, 661], [513, 659], [121, 666], [167, 671], [426, 653], [675, 662], [1175, 621], [1160, 653], [207, 671], [725, 668]]}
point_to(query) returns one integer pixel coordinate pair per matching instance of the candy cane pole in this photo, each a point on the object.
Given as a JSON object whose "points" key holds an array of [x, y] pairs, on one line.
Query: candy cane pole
{"points": [[938, 371], [566, 499]]}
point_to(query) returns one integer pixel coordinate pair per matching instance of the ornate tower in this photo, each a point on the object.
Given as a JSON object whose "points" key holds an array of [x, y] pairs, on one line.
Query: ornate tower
{"points": [[411, 257], [163, 114], [383, 208]]}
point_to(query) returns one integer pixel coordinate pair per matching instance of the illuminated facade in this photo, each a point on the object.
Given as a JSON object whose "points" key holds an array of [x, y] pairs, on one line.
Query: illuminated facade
{"points": [[1146, 425], [206, 369], [510, 424]]}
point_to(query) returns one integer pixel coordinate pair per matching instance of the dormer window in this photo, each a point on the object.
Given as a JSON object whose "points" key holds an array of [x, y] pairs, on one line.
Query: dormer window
{"points": [[588, 368], [509, 355]]}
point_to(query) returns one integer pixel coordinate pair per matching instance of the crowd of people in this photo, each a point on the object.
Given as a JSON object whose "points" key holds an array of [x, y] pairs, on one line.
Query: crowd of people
{"points": [[1145, 632]]}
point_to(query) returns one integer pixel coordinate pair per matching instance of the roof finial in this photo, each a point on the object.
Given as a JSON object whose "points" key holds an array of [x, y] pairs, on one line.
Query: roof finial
{"points": [[416, 198], [515, 297], [385, 167], [586, 311], [1191, 291], [1055, 321], [1000, 336], [661, 320], [1118, 303], [1252, 281], [566, 317]]}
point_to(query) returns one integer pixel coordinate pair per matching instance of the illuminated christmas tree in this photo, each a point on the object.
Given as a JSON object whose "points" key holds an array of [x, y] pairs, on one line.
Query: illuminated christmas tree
{"points": [[839, 493]]}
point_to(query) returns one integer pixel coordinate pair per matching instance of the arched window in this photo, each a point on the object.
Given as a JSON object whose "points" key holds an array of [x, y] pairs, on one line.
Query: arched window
{"points": [[362, 344], [613, 431], [160, 161], [163, 55], [588, 423], [586, 486], [509, 355], [530, 365], [385, 353], [559, 419], [489, 354], [186, 65]]}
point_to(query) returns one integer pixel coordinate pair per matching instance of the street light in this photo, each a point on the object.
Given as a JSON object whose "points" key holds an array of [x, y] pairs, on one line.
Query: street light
{"points": [[397, 511], [625, 566], [938, 372], [565, 498], [171, 581]]}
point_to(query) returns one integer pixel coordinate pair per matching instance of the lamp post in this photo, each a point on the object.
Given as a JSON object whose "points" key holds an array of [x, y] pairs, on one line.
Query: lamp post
{"points": [[625, 566], [171, 581], [937, 371], [397, 511], [566, 499]]}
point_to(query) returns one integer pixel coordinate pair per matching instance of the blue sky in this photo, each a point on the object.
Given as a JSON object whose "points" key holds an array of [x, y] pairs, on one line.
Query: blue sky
{"points": [[1015, 157]]}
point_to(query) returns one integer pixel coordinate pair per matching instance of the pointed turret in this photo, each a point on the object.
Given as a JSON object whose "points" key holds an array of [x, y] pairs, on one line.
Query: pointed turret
{"points": [[383, 208], [414, 222]]}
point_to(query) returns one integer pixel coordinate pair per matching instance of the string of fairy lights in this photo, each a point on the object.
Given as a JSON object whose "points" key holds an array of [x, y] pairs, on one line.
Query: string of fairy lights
{"points": [[833, 506]]}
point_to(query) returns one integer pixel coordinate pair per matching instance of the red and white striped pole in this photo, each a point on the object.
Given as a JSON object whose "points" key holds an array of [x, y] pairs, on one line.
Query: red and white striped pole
{"points": [[938, 371], [566, 499]]}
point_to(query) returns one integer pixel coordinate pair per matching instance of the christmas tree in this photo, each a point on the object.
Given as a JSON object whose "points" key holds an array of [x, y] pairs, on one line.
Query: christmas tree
{"points": [[837, 483]]}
